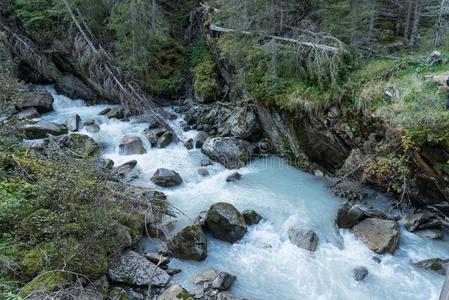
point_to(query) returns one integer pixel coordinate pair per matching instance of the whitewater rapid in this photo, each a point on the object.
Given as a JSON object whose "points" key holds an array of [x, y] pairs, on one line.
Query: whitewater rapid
{"points": [[266, 264]]}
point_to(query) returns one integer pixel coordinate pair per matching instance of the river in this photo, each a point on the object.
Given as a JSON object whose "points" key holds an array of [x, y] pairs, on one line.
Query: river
{"points": [[266, 264]]}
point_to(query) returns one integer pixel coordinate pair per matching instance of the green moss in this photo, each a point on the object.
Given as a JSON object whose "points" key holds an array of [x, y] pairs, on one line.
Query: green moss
{"points": [[44, 283], [82, 145], [118, 294], [206, 82], [34, 261]]}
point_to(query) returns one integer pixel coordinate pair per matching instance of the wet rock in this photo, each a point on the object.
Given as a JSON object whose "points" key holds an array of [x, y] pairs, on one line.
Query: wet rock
{"points": [[437, 265], [108, 163], [360, 273], [166, 139], [251, 217], [413, 221], [234, 177], [303, 238], [130, 145], [242, 123], [348, 216], [175, 292], [173, 271], [223, 281], [154, 134], [189, 243], [378, 235], [41, 129], [206, 162], [225, 222], [39, 99], [89, 122], [435, 234], [166, 178], [125, 168], [203, 172], [115, 113], [82, 145], [92, 128], [207, 275], [161, 231], [201, 219], [27, 113], [189, 144], [231, 153], [73, 123], [132, 268], [74, 88], [157, 258], [200, 139], [377, 259], [104, 111]]}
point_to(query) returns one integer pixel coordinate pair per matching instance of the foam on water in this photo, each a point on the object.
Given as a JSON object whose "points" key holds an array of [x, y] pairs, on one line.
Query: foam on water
{"points": [[267, 265]]}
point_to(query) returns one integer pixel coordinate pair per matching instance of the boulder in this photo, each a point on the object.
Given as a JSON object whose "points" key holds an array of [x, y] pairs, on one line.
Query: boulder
{"points": [[360, 273], [166, 178], [203, 172], [94, 128], [166, 139], [234, 177], [225, 222], [154, 134], [41, 129], [115, 113], [437, 265], [134, 269], [104, 111], [412, 222], [73, 123], [378, 235], [27, 113], [434, 234], [175, 292], [189, 243], [303, 238], [223, 281], [82, 145], [200, 138], [189, 144], [207, 275], [39, 99], [242, 123], [125, 168], [348, 216], [130, 145], [74, 88], [251, 217], [231, 153]]}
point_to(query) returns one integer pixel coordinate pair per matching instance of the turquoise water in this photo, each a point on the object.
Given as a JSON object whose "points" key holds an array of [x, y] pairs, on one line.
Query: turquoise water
{"points": [[267, 265]]}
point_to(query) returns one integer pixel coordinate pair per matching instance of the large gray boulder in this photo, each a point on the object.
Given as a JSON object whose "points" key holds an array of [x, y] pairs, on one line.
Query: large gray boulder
{"points": [[166, 139], [41, 129], [189, 243], [73, 123], [230, 152], [166, 178], [378, 235], [200, 138], [225, 222], [303, 238], [74, 88], [175, 292], [130, 145], [414, 221], [39, 99], [242, 123], [134, 269]]}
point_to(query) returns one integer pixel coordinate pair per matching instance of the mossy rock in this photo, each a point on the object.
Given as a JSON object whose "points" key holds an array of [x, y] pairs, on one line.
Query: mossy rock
{"points": [[82, 145], [44, 283], [118, 294]]}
